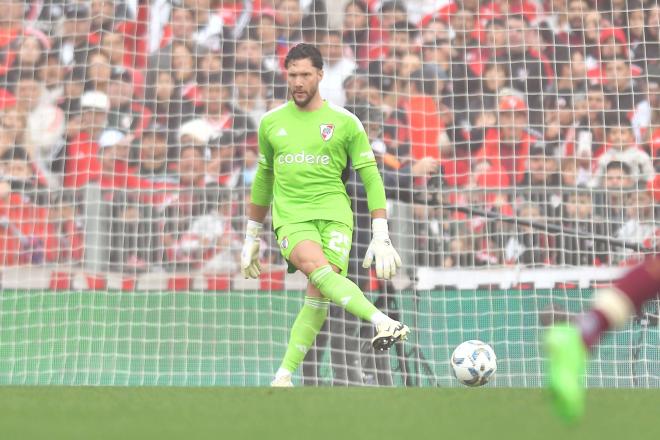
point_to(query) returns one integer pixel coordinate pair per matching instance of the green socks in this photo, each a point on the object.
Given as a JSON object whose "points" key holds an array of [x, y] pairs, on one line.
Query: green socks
{"points": [[339, 290], [304, 331], [345, 293]]}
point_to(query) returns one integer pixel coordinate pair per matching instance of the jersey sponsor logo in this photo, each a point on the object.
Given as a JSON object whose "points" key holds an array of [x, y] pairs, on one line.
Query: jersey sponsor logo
{"points": [[368, 154], [326, 131], [281, 132], [303, 158], [285, 243]]}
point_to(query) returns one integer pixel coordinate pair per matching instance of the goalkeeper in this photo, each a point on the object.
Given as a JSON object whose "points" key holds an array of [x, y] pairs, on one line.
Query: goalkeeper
{"points": [[304, 148]]}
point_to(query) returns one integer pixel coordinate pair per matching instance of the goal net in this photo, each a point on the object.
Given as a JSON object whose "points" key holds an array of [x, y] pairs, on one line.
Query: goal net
{"points": [[518, 141]]}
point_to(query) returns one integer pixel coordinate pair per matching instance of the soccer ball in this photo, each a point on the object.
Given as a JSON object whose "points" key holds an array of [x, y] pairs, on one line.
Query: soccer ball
{"points": [[473, 363]]}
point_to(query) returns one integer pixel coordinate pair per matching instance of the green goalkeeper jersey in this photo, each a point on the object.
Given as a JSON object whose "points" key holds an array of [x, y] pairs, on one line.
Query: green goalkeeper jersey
{"points": [[307, 153]]}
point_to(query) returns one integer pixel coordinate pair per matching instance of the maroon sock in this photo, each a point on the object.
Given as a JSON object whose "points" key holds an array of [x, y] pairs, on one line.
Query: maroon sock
{"points": [[642, 283], [639, 285], [592, 324]]}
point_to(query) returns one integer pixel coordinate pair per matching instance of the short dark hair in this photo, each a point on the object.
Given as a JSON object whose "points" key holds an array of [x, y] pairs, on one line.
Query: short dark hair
{"points": [[302, 51], [619, 165]]}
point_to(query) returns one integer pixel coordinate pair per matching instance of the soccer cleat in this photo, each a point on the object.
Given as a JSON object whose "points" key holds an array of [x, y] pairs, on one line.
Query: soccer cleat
{"points": [[388, 333], [567, 356], [282, 382]]}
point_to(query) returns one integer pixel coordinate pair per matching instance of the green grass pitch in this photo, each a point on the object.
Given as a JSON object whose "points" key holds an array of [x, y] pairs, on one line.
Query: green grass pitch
{"points": [[317, 413]]}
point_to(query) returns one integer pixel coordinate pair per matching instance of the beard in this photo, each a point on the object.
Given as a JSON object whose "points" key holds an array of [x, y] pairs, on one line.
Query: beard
{"points": [[302, 103]]}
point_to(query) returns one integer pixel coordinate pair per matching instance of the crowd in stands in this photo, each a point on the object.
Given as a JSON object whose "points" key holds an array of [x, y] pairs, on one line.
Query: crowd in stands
{"points": [[543, 110]]}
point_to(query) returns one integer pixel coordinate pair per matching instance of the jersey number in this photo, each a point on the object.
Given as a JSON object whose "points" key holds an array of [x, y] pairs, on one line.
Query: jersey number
{"points": [[339, 242]]}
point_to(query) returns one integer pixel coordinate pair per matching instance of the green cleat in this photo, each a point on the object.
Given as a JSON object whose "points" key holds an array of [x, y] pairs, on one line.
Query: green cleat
{"points": [[566, 366]]}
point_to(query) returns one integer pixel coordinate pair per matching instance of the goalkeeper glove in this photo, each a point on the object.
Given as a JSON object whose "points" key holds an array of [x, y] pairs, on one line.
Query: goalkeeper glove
{"points": [[387, 258], [250, 267]]}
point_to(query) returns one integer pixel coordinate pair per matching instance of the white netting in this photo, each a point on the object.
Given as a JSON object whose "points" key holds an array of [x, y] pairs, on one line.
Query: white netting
{"points": [[519, 143]]}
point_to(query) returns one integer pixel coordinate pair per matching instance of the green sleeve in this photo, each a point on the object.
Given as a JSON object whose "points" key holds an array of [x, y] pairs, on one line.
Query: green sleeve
{"points": [[359, 147], [265, 148], [373, 185], [262, 187]]}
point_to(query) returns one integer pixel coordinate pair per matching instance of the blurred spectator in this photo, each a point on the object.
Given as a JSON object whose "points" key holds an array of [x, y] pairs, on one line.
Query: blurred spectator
{"points": [[617, 183], [528, 246], [164, 100], [273, 50], [621, 147], [26, 237], [11, 25], [402, 37], [357, 90], [249, 93], [67, 225], [131, 228], [575, 246], [99, 72], [104, 14], [210, 243], [31, 54], [573, 175], [543, 179], [590, 116], [337, 66], [126, 114], [184, 71], [392, 12], [190, 200], [194, 153], [180, 30], [112, 44], [530, 72], [153, 155], [288, 19], [217, 110], [644, 26], [249, 51], [81, 154], [571, 81], [506, 148], [208, 25], [72, 42], [18, 171], [640, 227], [626, 100], [44, 125], [356, 34], [52, 74], [495, 81], [228, 157]]}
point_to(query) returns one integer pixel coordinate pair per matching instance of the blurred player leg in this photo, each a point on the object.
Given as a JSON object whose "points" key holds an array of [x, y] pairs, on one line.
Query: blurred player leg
{"points": [[567, 346]]}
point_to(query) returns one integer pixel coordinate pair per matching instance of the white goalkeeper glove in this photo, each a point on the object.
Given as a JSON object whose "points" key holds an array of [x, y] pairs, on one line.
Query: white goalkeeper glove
{"points": [[387, 258], [250, 267]]}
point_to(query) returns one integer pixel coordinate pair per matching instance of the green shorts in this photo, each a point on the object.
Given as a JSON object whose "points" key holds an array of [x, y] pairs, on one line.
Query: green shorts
{"points": [[335, 239]]}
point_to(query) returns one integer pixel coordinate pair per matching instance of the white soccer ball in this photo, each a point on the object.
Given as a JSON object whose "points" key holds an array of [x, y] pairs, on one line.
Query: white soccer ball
{"points": [[473, 363]]}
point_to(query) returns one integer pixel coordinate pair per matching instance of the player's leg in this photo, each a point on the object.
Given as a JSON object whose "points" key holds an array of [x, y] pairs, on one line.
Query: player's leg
{"points": [[312, 315], [305, 328], [567, 345], [314, 261]]}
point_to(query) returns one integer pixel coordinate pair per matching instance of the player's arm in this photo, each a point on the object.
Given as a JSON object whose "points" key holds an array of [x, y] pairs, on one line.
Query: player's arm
{"points": [[260, 200], [380, 248]]}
